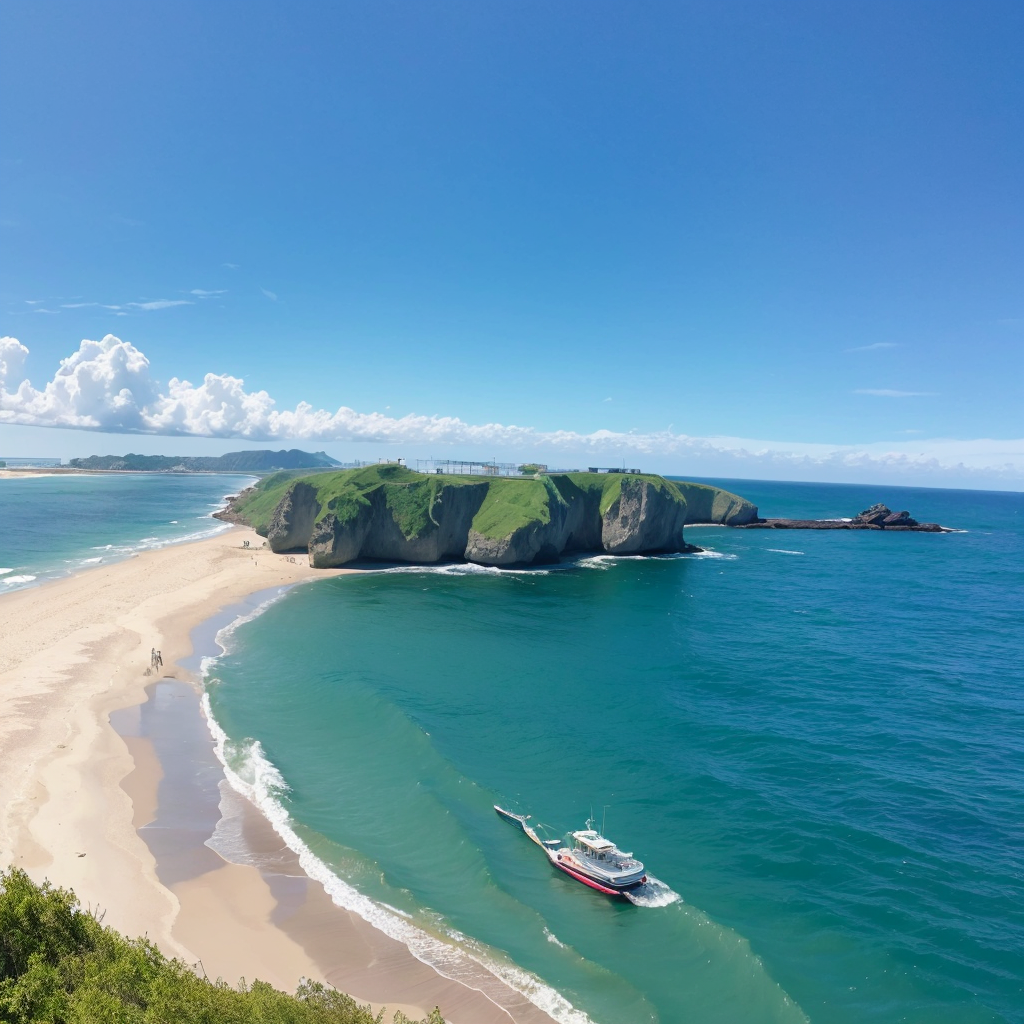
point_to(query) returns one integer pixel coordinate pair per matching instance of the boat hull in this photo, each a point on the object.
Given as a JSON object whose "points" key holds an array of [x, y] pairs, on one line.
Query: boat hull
{"points": [[606, 885], [519, 820], [560, 859]]}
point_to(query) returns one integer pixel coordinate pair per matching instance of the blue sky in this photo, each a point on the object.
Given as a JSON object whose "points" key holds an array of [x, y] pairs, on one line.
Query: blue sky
{"points": [[796, 224]]}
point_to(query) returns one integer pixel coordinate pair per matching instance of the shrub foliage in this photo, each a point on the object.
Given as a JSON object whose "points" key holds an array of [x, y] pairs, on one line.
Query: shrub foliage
{"points": [[59, 964]]}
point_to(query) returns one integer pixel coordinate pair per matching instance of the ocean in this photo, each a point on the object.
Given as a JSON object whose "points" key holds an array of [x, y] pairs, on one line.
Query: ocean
{"points": [[812, 739], [55, 524]]}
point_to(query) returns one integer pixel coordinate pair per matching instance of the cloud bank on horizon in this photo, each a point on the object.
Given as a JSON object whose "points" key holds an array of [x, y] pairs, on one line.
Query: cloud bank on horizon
{"points": [[106, 386]]}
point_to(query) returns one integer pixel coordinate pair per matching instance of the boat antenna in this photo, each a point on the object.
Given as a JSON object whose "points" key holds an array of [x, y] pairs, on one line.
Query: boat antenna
{"points": [[604, 817], [590, 820]]}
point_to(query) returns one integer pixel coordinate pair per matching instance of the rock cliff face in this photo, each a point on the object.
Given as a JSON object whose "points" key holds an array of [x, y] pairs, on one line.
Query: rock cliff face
{"points": [[373, 532], [389, 513], [643, 518], [293, 520], [705, 504]]}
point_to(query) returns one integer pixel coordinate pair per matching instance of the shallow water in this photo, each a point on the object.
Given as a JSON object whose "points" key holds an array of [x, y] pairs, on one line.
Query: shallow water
{"points": [[814, 738], [53, 525]]}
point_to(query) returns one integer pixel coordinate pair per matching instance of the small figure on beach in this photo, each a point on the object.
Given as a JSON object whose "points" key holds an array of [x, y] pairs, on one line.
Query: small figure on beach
{"points": [[159, 660], [152, 657]]}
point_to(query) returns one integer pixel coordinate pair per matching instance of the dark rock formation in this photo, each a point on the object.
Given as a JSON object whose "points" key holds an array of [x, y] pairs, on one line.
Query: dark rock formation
{"points": [[292, 523], [642, 518], [706, 505], [372, 532], [877, 517], [882, 515]]}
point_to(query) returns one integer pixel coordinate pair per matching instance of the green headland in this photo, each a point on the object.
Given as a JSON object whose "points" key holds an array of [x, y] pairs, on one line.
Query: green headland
{"points": [[390, 512]]}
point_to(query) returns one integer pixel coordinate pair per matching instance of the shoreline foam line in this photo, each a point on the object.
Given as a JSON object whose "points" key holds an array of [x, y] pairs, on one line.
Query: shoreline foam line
{"points": [[441, 956], [114, 553]]}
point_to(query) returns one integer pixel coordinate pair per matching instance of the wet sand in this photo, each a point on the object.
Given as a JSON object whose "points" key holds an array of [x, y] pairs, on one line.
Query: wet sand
{"points": [[122, 816]]}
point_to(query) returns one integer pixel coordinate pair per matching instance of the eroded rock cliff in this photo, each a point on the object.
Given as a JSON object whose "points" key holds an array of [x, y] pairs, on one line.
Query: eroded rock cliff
{"points": [[389, 513], [707, 504]]}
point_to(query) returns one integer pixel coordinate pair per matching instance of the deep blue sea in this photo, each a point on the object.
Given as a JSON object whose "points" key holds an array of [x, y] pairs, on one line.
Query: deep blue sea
{"points": [[51, 525], [812, 739]]}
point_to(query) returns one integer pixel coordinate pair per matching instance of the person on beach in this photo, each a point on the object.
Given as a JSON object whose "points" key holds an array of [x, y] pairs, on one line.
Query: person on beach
{"points": [[159, 660]]}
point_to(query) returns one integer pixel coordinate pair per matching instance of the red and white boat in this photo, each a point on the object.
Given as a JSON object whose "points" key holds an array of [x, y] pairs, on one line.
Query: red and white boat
{"points": [[590, 858]]}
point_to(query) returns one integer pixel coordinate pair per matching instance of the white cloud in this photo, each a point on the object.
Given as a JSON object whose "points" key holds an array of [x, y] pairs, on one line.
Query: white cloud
{"points": [[204, 293], [106, 385], [104, 382], [230, 266], [12, 361], [874, 346], [157, 304], [269, 294], [889, 393]]}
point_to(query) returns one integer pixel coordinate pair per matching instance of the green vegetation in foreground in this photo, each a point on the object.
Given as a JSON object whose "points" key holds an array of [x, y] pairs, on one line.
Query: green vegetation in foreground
{"points": [[60, 965]]}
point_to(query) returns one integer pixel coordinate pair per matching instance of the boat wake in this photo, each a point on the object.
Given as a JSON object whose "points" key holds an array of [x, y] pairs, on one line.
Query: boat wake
{"points": [[250, 773], [653, 893]]}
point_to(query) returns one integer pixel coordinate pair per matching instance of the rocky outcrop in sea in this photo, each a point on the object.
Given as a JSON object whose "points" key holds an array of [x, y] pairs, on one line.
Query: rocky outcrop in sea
{"points": [[877, 517]]}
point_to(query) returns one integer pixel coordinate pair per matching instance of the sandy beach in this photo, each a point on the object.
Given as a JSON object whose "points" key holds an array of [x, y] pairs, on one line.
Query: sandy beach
{"points": [[75, 792]]}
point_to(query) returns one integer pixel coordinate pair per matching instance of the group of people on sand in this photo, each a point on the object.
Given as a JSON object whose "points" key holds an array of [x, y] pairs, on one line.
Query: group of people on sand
{"points": [[156, 660]]}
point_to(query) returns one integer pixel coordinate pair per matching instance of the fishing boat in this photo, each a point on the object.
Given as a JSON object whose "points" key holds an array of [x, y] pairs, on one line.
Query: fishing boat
{"points": [[590, 858]]}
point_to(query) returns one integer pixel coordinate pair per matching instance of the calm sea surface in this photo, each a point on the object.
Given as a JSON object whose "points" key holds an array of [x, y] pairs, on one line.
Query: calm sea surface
{"points": [[813, 740], [53, 525]]}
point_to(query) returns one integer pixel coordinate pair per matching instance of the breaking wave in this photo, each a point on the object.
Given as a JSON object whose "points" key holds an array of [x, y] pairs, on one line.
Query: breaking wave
{"points": [[459, 958]]}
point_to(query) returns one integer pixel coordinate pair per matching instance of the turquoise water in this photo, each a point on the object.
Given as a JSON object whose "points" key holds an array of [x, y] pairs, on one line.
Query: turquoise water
{"points": [[813, 738], [57, 524]]}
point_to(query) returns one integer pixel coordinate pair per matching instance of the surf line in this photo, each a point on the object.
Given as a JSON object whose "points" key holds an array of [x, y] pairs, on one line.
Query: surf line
{"points": [[251, 774]]}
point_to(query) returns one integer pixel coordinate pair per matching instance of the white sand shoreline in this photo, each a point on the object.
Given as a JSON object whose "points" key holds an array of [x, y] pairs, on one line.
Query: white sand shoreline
{"points": [[73, 793]]}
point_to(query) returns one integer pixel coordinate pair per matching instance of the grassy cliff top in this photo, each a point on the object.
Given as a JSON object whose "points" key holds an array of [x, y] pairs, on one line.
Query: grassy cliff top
{"points": [[509, 504]]}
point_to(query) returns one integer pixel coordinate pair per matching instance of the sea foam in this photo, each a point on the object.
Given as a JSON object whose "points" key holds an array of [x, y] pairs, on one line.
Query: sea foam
{"points": [[250, 773]]}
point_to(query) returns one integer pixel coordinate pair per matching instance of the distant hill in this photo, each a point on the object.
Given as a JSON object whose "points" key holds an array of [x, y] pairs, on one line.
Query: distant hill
{"points": [[233, 462]]}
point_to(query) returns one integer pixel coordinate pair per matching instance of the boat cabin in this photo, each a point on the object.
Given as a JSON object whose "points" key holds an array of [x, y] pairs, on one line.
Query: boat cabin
{"points": [[593, 844]]}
